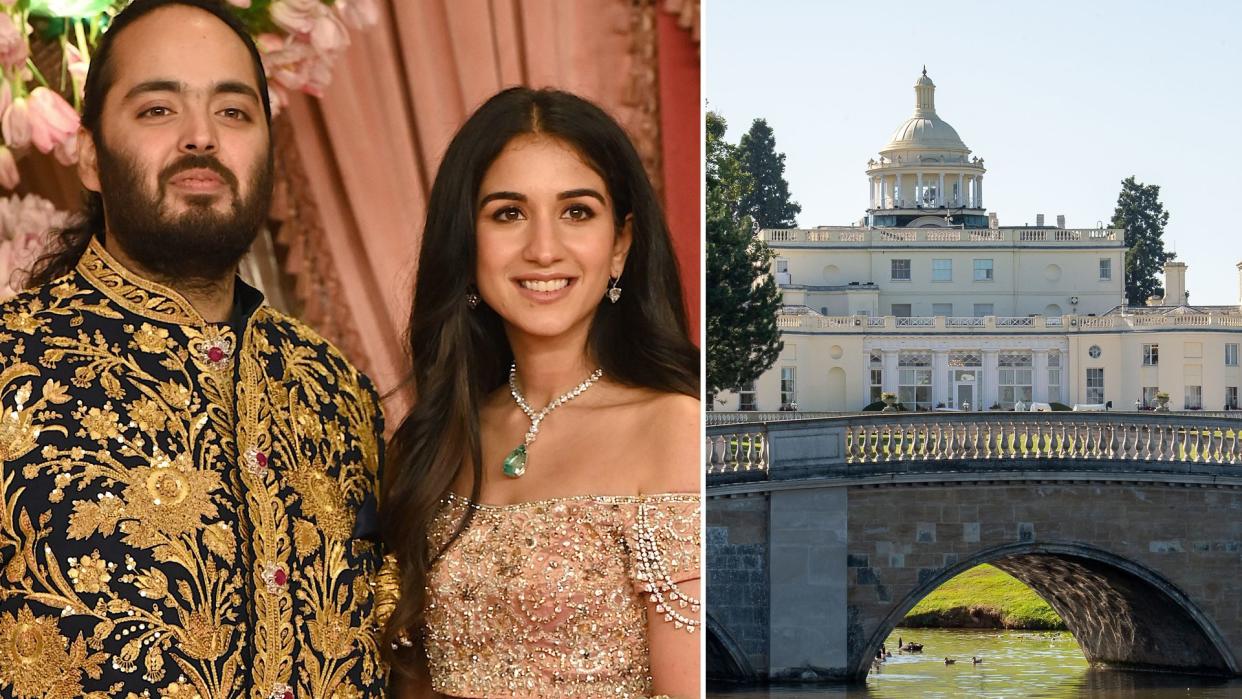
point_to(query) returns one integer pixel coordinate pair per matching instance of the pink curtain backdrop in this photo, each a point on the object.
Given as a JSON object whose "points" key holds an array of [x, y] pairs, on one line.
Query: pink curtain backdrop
{"points": [[354, 168], [368, 151]]}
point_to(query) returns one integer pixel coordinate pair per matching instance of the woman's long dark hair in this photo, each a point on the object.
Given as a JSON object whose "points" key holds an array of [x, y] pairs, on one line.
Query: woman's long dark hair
{"points": [[66, 245], [461, 355]]}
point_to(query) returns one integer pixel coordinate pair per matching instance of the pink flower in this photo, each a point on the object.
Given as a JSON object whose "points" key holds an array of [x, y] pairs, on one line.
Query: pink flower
{"points": [[358, 13], [296, 16], [66, 151], [9, 176], [15, 124], [52, 119], [78, 67], [298, 66], [14, 48], [6, 93], [329, 34], [276, 96]]}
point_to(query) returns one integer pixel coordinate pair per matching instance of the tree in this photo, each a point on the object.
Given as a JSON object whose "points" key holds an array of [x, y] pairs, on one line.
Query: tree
{"points": [[768, 202], [742, 299], [1142, 216]]}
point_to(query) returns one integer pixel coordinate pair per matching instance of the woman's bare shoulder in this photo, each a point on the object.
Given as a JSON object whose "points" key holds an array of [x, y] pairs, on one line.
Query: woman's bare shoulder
{"points": [[669, 436]]}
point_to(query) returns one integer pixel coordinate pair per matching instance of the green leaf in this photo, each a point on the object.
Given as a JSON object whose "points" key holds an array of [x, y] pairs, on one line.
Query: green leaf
{"points": [[70, 8]]}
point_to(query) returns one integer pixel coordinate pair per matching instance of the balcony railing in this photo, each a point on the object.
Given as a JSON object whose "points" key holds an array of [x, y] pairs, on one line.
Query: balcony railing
{"points": [[1036, 323], [876, 438], [917, 236]]}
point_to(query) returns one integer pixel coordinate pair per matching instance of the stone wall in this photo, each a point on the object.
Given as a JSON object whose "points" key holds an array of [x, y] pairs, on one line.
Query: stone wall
{"points": [[905, 541], [737, 574]]}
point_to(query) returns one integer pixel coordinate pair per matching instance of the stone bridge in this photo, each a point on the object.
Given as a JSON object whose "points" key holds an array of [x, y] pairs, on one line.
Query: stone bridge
{"points": [[823, 533]]}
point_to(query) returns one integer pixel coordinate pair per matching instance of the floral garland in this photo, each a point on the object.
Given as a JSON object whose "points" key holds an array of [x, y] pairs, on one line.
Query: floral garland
{"points": [[24, 223], [299, 40]]}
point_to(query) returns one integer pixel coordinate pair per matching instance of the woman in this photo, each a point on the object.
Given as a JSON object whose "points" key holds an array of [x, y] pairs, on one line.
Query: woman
{"points": [[542, 496]]}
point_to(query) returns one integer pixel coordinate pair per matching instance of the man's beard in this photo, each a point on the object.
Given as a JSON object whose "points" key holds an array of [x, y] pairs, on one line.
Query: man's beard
{"points": [[199, 244]]}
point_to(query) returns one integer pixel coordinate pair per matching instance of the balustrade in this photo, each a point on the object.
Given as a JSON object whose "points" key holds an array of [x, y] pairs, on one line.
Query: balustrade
{"points": [[1035, 437], [852, 234]]}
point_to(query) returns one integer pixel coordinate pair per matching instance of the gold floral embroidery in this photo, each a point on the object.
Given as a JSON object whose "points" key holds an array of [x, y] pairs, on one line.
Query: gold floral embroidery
{"points": [[128, 518], [36, 662], [133, 293]]}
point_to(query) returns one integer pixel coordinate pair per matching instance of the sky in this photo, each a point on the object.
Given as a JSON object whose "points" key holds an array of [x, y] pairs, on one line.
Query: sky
{"points": [[1063, 100]]}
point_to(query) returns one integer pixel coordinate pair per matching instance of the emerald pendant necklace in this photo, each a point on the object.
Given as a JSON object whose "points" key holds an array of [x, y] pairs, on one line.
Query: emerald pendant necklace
{"points": [[515, 462]]}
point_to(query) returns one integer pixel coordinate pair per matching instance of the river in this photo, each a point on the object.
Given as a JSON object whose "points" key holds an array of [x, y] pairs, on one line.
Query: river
{"points": [[1026, 664]]}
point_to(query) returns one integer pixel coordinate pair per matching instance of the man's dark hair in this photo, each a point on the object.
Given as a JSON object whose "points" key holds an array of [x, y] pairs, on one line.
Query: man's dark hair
{"points": [[66, 246]]}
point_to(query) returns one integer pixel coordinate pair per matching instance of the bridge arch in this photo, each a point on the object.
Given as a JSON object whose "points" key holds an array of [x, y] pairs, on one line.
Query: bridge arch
{"points": [[1123, 615], [725, 658]]}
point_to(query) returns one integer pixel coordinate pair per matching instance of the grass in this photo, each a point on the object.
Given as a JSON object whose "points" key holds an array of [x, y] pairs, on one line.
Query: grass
{"points": [[984, 597]]}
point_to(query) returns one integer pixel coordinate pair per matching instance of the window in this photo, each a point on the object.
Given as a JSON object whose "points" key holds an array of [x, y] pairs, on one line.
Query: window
{"points": [[1014, 382], [782, 265], [876, 377], [914, 380], [1149, 396], [1151, 355], [901, 310], [984, 309], [983, 270], [1093, 351], [900, 270], [942, 270], [1231, 397], [1231, 354], [1054, 376], [789, 387], [942, 309], [1106, 269], [746, 398], [1194, 398], [1095, 385]]}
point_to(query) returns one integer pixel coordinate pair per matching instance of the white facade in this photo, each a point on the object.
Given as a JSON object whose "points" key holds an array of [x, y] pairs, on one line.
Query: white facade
{"points": [[930, 299]]}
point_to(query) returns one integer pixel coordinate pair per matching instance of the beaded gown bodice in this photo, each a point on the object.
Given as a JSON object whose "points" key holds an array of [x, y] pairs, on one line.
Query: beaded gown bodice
{"points": [[550, 598]]}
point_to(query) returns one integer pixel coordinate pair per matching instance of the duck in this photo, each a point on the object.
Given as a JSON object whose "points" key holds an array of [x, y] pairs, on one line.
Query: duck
{"points": [[975, 661], [914, 647], [949, 661]]}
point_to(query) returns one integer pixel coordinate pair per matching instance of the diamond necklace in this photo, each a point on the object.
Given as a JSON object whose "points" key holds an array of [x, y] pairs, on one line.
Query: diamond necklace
{"points": [[515, 462]]}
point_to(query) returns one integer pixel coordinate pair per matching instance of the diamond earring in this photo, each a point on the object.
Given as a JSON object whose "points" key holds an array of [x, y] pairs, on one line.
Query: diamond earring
{"points": [[472, 300], [614, 292]]}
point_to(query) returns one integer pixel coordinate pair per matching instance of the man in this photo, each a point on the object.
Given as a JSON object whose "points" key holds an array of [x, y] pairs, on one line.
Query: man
{"points": [[187, 477]]}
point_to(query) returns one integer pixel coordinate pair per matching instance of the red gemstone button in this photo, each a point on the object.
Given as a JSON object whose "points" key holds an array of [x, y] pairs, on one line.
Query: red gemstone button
{"points": [[288, 694], [215, 354], [280, 577], [261, 459]]}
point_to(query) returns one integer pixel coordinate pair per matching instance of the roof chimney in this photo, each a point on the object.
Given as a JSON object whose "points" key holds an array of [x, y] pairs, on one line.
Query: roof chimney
{"points": [[1060, 220], [993, 221], [1240, 284], [1174, 283], [1039, 220]]}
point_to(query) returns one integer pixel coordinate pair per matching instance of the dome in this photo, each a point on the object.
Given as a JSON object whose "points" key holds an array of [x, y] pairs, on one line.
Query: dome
{"points": [[925, 130]]}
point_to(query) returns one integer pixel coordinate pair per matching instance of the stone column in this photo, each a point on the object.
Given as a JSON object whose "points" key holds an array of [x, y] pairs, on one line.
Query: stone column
{"points": [[940, 377], [979, 191], [918, 189], [808, 612], [889, 376], [1039, 383], [961, 189], [940, 191], [989, 379], [864, 390]]}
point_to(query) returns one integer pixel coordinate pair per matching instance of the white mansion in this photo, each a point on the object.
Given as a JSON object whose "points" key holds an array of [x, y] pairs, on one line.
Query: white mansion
{"points": [[930, 299]]}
